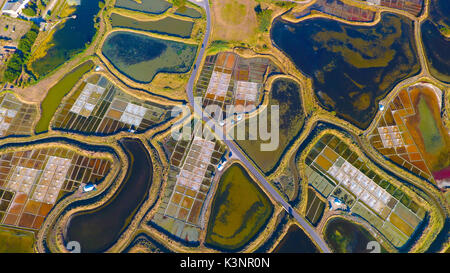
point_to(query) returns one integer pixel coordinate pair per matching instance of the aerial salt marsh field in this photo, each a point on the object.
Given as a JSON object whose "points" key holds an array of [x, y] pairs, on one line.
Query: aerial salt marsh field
{"points": [[353, 67], [16, 117], [141, 57], [315, 207], [93, 148]]}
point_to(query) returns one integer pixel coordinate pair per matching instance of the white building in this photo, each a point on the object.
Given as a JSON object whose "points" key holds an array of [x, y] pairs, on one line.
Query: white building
{"points": [[374, 2], [14, 7]]}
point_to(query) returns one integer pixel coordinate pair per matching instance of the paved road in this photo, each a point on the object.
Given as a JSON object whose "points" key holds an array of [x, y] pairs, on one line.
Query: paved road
{"points": [[232, 145]]}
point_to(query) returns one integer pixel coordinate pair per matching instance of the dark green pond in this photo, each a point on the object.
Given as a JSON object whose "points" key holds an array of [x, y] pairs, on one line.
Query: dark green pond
{"points": [[70, 38], [167, 25], [343, 236], [295, 241], [352, 67], [141, 57], [99, 229], [437, 46], [147, 6], [188, 12]]}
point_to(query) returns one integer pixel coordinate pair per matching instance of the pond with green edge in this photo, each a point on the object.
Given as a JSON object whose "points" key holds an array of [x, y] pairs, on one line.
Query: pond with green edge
{"points": [[16, 241], [344, 236], [235, 220], [71, 37], [140, 57]]}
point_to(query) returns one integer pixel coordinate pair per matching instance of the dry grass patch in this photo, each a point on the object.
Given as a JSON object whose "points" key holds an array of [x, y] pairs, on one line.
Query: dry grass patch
{"points": [[233, 19]]}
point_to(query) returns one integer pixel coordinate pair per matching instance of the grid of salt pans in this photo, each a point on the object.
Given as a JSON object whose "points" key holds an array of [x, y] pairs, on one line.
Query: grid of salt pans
{"points": [[85, 103], [6, 116], [22, 179], [133, 114], [360, 185], [52, 179], [194, 167], [247, 91], [218, 84], [390, 136]]}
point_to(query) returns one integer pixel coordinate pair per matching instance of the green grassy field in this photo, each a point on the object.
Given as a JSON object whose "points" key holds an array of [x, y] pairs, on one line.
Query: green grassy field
{"points": [[235, 220], [56, 94], [234, 12], [16, 241]]}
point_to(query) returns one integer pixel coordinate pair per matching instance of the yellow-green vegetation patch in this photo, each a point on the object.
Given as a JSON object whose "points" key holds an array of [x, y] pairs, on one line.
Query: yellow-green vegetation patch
{"points": [[57, 93], [234, 12], [71, 37], [16, 241], [239, 210]]}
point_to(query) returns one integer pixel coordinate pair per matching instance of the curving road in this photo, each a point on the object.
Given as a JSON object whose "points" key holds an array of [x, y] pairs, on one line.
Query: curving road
{"points": [[234, 148]]}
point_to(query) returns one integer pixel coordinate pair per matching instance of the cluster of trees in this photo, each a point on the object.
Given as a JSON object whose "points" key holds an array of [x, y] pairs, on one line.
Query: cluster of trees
{"points": [[21, 56], [31, 9], [264, 18]]}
